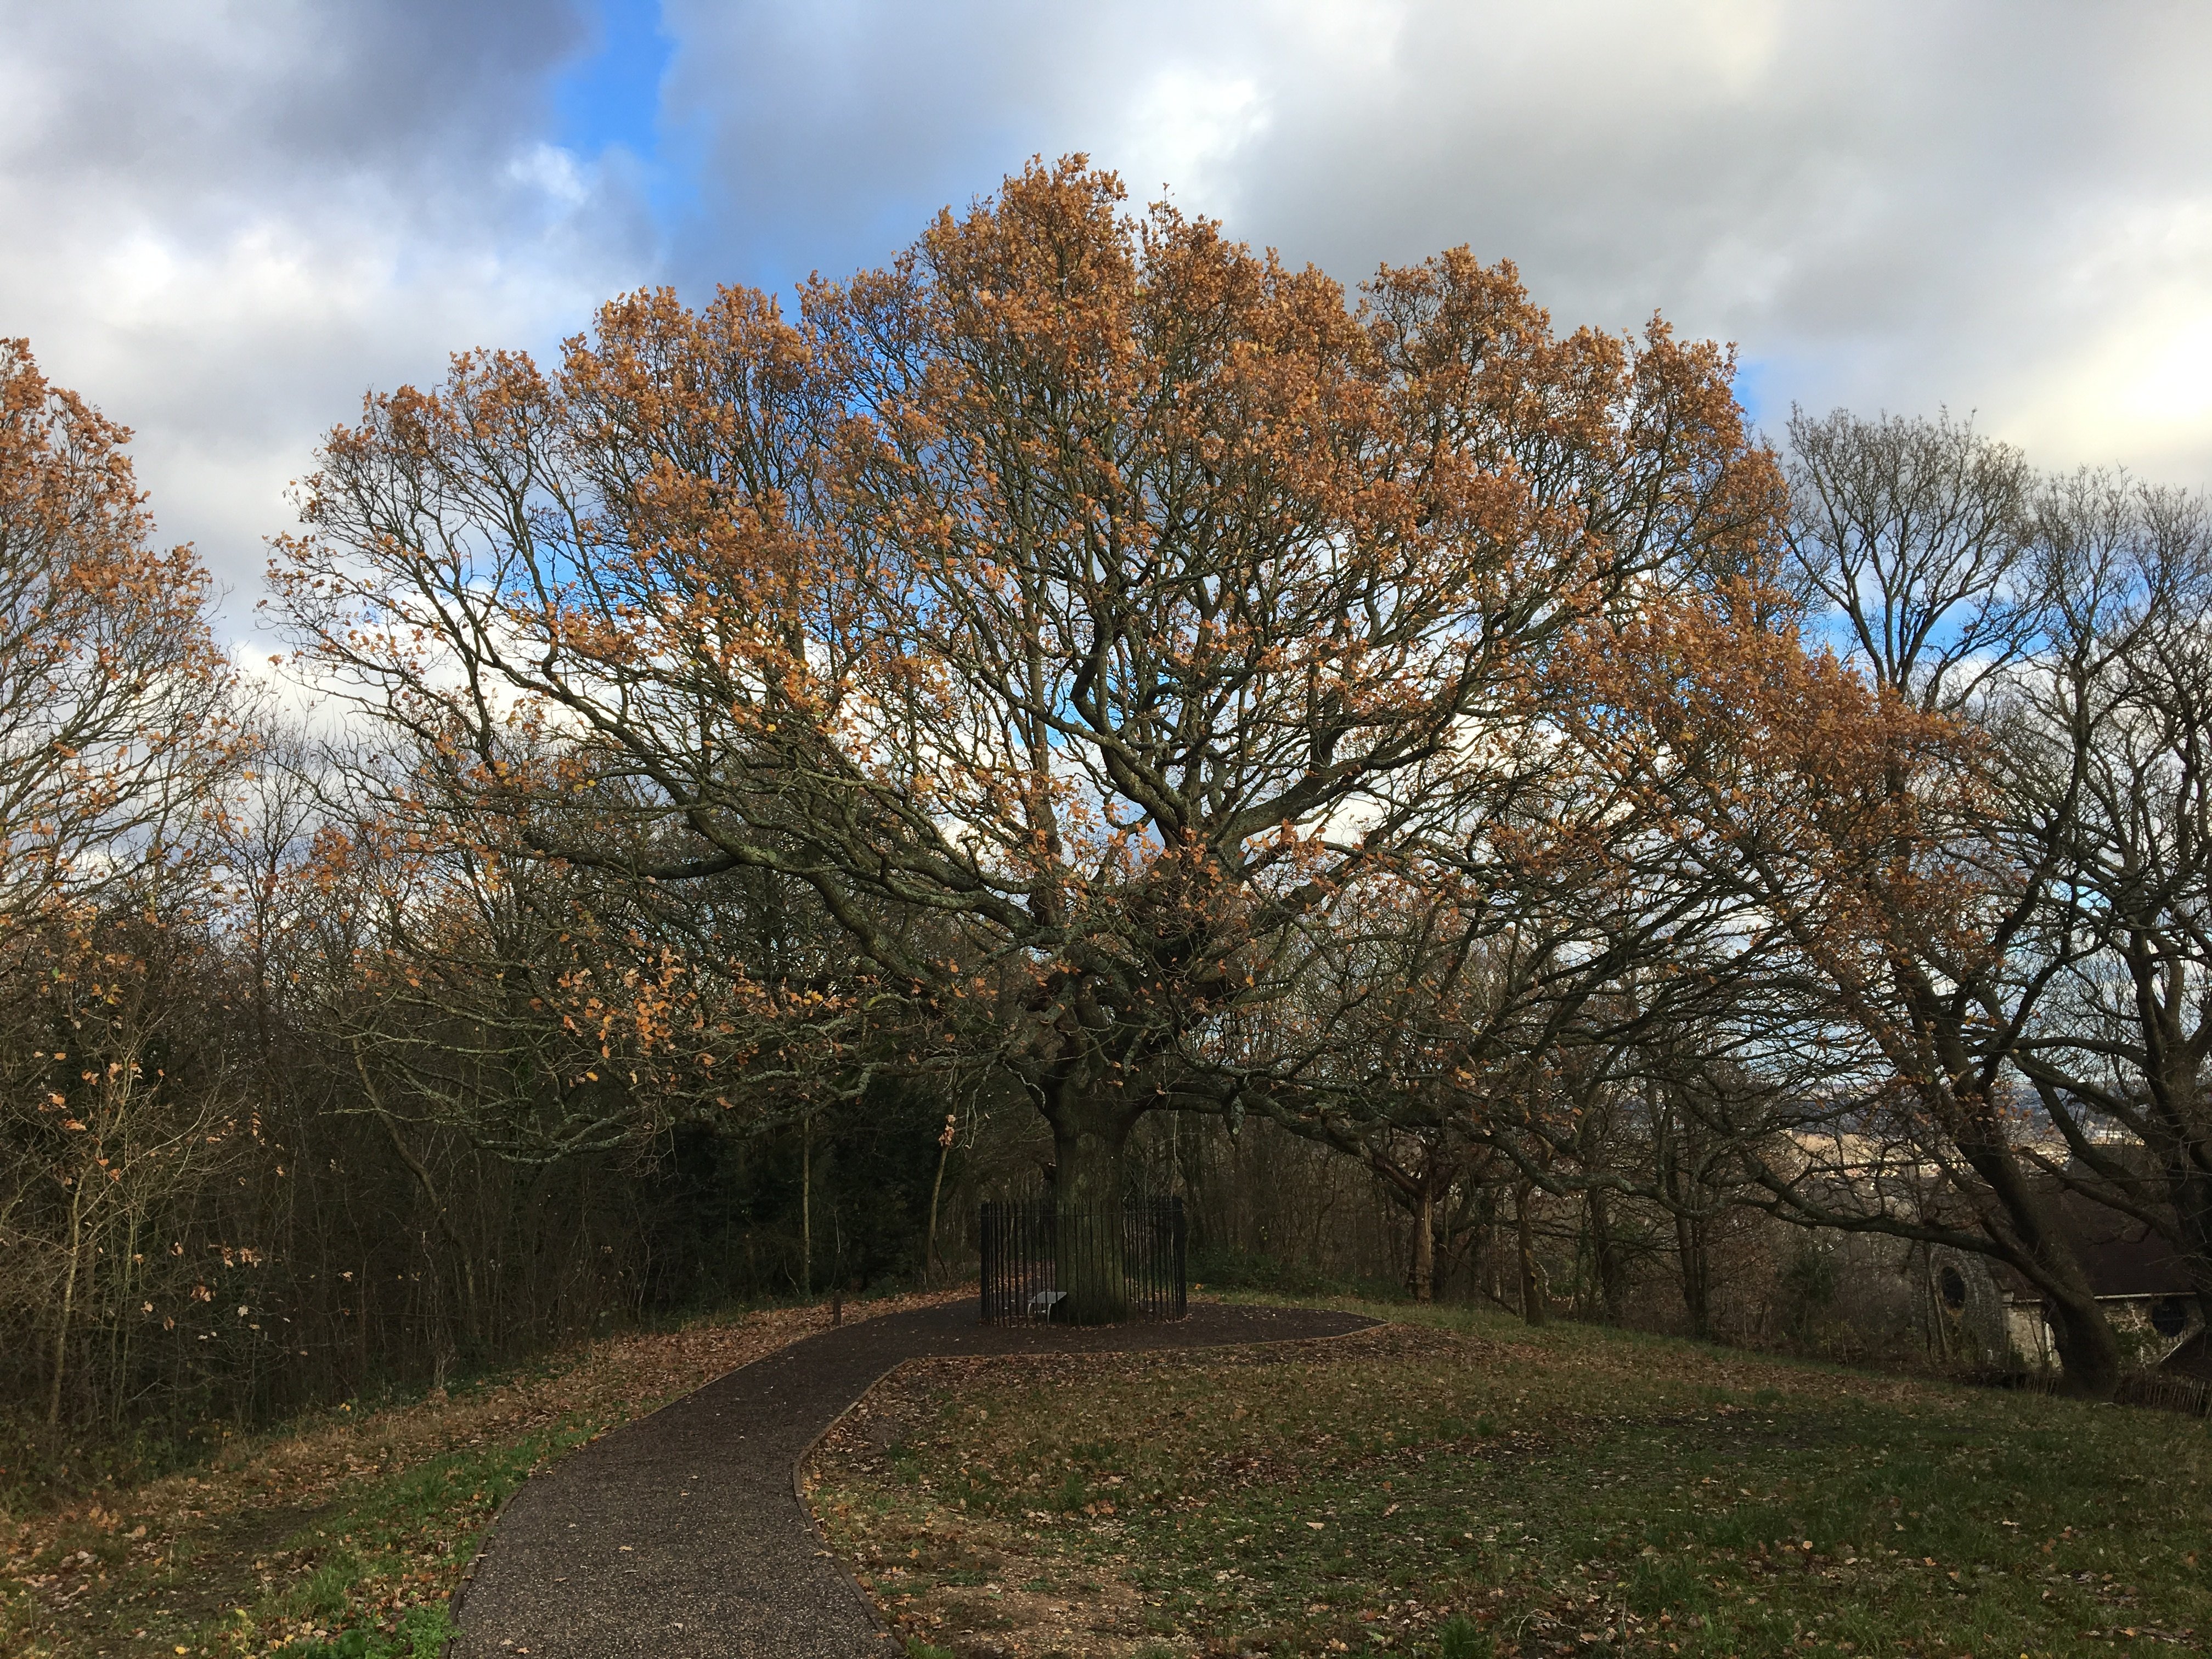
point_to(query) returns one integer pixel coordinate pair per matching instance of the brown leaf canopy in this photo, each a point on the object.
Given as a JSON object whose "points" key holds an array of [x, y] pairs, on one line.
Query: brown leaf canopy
{"points": [[112, 709], [1084, 577]]}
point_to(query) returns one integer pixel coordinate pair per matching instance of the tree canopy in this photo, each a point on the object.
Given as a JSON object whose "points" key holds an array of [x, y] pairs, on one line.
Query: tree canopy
{"points": [[1077, 607]]}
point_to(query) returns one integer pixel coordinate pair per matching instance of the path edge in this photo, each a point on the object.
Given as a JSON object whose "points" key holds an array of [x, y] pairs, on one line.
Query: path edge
{"points": [[868, 1608]]}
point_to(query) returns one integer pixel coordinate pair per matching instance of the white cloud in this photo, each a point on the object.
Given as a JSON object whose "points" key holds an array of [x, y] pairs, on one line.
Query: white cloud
{"points": [[2130, 380], [1185, 125], [553, 170]]}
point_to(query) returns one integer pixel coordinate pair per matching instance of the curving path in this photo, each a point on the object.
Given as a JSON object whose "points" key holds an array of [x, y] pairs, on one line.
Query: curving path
{"points": [[683, 1535]]}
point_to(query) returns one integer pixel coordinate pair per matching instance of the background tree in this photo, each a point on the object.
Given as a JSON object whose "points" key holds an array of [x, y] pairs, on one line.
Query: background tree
{"points": [[1869, 834], [115, 731], [2104, 740], [1916, 538], [117, 743]]}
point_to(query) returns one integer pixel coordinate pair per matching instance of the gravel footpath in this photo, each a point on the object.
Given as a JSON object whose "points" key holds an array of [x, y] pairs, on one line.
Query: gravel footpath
{"points": [[683, 1535]]}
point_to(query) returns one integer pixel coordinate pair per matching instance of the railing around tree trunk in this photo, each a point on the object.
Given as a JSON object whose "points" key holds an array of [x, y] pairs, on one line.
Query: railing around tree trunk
{"points": [[1021, 1259]]}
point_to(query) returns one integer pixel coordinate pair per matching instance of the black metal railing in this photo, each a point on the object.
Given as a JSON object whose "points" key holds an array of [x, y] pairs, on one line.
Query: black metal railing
{"points": [[1021, 1241], [2161, 1391]]}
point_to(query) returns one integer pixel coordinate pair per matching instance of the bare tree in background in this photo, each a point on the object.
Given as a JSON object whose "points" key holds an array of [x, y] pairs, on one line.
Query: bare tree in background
{"points": [[1863, 812], [1917, 536], [2107, 738]]}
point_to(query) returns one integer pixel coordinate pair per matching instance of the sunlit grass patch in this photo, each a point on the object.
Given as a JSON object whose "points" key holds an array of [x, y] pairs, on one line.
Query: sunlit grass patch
{"points": [[1567, 1491]]}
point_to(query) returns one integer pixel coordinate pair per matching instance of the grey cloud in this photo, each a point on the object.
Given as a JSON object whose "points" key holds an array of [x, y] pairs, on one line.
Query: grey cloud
{"points": [[242, 99], [226, 220], [831, 131], [230, 220], [1984, 203]]}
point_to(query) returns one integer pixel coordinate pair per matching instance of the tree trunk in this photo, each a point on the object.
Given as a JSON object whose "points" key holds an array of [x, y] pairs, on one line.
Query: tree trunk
{"points": [[2175, 1121], [2179, 1120], [1087, 1146], [1696, 1266], [1532, 1278], [119, 1341], [2088, 1353], [1608, 1260], [2192, 1204], [1424, 1243], [1931, 1305], [471, 1319], [68, 1302], [936, 1187]]}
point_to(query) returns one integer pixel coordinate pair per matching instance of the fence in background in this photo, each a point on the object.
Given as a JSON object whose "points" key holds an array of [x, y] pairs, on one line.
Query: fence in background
{"points": [[1021, 1256], [2158, 1390]]}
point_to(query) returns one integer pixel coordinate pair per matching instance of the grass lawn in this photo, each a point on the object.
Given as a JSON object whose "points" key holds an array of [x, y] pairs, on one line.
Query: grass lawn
{"points": [[1567, 1491], [343, 1536]]}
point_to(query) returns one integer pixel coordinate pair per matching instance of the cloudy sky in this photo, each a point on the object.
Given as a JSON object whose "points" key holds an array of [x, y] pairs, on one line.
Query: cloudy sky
{"points": [[224, 222]]}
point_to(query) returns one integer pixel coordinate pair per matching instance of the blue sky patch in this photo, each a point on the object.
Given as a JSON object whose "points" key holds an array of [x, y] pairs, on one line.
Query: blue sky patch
{"points": [[609, 100]]}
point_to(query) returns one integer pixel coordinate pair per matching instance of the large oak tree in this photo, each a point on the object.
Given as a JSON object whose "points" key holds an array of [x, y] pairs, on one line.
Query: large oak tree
{"points": [[1075, 607]]}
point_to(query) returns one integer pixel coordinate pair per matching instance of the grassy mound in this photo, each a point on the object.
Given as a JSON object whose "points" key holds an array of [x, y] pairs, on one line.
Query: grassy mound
{"points": [[1466, 1487]]}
